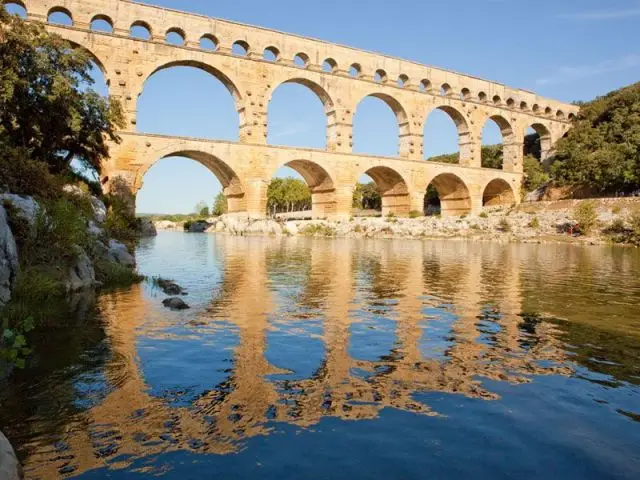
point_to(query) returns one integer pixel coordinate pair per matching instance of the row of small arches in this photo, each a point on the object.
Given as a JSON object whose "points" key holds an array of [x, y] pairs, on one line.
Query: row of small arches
{"points": [[176, 36]]}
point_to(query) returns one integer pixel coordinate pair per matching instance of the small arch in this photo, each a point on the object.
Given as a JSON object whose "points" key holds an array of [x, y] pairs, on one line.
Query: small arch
{"points": [[271, 54], [380, 76], [535, 108], [572, 116], [329, 65], [301, 60], [16, 7], [498, 192], [101, 23], [449, 194], [445, 90], [482, 97], [60, 16], [140, 30], [548, 111], [355, 70], [175, 36], [403, 80], [497, 100], [393, 190], [465, 94], [240, 48], [425, 85], [462, 128], [321, 186], [560, 115], [510, 102], [523, 106], [208, 42]]}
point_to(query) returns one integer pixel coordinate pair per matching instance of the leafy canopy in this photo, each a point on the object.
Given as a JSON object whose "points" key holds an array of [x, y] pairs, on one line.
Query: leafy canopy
{"points": [[44, 110]]}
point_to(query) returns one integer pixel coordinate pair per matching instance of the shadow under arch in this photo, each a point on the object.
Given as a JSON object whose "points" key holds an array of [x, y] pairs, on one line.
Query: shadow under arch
{"points": [[321, 186], [233, 188], [498, 192], [543, 150], [393, 189], [462, 126], [455, 199]]}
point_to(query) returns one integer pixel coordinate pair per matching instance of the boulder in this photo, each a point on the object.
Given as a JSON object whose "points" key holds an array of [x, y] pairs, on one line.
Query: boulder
{"points": [[169, 287], [263, 227], [147, 228], [82, 275], [291, 228], [27, 207], [8, 258], [99, 209], [118, 252], [199, 226], [94, 229], [10, 468], [175, 303]]}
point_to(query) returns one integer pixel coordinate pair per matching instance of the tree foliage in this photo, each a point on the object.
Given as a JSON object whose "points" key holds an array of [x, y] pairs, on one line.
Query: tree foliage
{"points": [[220, 205], [288, 195], [367, 197], [602, 150], [45, 113]]}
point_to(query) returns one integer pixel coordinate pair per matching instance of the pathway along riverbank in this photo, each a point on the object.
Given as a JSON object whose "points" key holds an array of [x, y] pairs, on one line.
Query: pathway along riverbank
{"points": [[597, 222]]}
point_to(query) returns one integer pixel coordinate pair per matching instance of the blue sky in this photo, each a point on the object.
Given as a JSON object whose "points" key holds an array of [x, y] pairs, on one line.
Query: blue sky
{"points": [[568, 49]]}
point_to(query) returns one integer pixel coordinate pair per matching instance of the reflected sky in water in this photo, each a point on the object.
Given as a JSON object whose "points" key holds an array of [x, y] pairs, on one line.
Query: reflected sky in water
{"points": [[313, 358]]}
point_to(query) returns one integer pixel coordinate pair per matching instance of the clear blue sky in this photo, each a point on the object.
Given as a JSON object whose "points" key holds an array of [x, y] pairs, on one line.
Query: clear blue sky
{"points": [[568, 49]]}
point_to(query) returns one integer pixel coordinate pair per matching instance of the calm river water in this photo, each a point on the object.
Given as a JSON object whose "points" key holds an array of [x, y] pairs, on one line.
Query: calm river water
{"points": [[313, 358]]}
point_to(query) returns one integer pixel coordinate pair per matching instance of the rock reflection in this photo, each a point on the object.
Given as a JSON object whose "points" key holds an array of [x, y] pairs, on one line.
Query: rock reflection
{"points": [[456, 317]]}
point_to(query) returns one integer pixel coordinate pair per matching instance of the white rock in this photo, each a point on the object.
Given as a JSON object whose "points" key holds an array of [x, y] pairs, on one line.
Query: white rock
{"points": [[26, 206], [99, 209], [94, 229], [8, 258], [147, 228], [118, 252], [292, 228], [9, 466], [81, 275]]}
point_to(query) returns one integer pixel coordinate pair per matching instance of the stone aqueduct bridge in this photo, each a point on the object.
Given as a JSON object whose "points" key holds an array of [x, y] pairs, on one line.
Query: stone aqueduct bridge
{"points": [[340, 76]]}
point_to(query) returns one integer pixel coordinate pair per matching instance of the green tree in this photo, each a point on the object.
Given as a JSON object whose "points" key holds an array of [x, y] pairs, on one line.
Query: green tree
{"points": [[220, 205], [288, 195], [201, 208], [534, 174], [367, 197], [44, 110]]}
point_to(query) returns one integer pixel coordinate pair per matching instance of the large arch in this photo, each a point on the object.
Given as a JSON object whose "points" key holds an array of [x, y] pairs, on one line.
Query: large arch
{"points": [[498, 192], [321, 185], [498, 155], [305, 122], [539, 144], [232, 186], [401, 120], [454, 196], [462, 128], [393, 189], [203, 110]]}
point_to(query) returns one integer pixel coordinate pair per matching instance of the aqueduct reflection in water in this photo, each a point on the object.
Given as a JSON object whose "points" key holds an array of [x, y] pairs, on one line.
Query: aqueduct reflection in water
{"points": [[337, 288]]}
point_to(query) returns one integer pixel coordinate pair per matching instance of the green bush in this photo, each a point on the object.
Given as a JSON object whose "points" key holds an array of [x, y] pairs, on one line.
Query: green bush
{"points": [[504, 225], [534, 223], [586, 217], [121, 223], [116, 275], [415, 214], [484, 215], [319, 230]]}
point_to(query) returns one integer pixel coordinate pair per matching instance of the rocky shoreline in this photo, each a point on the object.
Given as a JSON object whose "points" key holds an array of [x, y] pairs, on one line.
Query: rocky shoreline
{"points": [[542, 222]]}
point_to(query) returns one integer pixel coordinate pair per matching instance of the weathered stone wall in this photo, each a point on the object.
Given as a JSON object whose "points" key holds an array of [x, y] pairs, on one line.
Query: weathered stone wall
{"points": [[411, 90]]}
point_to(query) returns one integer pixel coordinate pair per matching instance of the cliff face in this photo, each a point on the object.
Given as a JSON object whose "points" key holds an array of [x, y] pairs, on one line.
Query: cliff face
{"points": [[8, 258]]}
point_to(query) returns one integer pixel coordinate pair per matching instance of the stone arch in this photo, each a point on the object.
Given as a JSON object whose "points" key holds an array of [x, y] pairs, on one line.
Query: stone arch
{"points": [[544, 135], [179, 32], [141, 24], [509, 155], [397, 109], [330, 65], [393, 189], [99, 63], [22, 8], [209, 42], [233, 188], [321, 186], [271, 54], [101, 17], [455, 199], [462, 126], [498, 192], [301, 60], [61, 10]]}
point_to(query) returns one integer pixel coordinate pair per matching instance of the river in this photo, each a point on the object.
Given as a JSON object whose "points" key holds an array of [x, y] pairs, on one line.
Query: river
{"points": [[343, 358]]}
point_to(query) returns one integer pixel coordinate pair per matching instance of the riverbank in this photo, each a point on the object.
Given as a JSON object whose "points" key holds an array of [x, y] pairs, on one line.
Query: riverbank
{"points": [[596, 222]]}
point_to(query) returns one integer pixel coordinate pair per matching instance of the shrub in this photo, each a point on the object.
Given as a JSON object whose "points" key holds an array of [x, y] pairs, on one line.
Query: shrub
{"points": [[415, 214], [484, 215], [23, 176], [504, 225], [319, 230], [616, 210], [115, 275], [586, 217], [617, 226], [121, 223], [534, 223]]}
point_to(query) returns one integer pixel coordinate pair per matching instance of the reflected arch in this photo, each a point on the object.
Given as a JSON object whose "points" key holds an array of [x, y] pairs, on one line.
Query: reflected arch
{"points": [[462, 127], [321, 185], [498, 192], [453, 194], [232, 186], [393, 190]]}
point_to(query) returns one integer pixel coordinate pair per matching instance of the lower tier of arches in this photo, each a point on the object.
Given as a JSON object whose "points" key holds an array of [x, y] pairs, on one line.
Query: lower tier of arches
{"points": [[245, 171]]}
